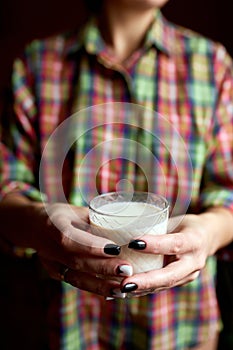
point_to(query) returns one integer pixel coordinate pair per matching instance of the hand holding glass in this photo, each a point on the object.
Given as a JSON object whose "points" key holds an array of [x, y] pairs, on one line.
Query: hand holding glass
{"points": [[126, 216]]}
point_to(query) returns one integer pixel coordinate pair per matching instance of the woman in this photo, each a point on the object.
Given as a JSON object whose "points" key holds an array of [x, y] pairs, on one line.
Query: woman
{"points": [[128, 54]]}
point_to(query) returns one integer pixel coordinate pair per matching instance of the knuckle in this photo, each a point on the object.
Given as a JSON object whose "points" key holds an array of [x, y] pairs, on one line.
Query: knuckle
{"points": [[196, 242], [99, 288], [157, 246], [64, 239], [104, 268], [178, 245], [107, 268], [172, 281], [93, 249], [77, 264], [146, 285]]}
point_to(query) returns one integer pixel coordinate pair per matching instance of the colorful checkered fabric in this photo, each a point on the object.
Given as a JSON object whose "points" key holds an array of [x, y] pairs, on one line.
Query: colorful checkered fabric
{"points": [[183, 151]]}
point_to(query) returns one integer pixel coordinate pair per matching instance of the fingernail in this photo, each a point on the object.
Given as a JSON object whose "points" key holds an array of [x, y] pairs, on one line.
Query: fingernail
{"points": [[129, 287], [116, 293], [125, 270], [137, 244], [112, 249]]}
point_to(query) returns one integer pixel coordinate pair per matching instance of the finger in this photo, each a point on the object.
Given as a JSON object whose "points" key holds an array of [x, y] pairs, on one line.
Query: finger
{"points": [[73, 223], [94, 284], [174, 274], [165, 244], [85, 281], [190, 278], [103, 267], [79, 241], [76, 240], [59, 210]]}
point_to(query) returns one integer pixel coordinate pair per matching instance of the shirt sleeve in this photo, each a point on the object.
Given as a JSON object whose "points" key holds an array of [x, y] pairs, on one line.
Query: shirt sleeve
{"points": [[217, 186], [19, 142]]}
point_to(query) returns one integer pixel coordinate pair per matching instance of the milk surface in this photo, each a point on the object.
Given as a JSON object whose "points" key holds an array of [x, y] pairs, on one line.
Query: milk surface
{"points": [[125, 221], [128, 209]]}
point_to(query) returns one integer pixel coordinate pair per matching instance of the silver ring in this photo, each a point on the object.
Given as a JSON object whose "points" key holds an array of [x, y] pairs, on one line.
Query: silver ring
{"points": [[63, 272]]}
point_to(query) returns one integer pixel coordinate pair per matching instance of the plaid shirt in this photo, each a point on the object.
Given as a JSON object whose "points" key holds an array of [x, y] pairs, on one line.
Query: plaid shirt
{"points": [[182, 76]]}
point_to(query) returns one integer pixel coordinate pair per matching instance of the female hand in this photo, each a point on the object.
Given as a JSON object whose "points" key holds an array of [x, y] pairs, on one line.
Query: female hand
{"points": [[68, 248], [186, 250]]}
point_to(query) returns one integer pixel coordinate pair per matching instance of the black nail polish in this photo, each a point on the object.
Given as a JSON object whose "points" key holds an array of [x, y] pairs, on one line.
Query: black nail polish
{"points": [[137, 244], [129, 287], [112, 249]]}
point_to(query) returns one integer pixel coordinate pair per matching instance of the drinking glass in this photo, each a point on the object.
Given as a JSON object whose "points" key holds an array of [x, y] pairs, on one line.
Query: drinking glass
{"points": [[126, 216]]}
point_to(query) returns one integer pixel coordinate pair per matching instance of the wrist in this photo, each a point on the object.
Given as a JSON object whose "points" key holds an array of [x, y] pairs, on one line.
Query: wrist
{"points": [[22, 220], [37, 224], [218, 225]]}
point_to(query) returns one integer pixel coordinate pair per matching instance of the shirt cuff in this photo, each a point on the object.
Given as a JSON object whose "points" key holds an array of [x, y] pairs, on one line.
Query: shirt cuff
{"points": [[25, 189]]}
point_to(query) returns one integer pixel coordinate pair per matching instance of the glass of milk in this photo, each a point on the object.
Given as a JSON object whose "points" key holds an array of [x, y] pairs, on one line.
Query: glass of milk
{"points": [[126, 216]]}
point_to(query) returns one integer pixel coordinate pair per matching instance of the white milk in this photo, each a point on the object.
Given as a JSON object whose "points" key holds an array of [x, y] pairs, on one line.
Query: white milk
{"points": [[125, 221]]}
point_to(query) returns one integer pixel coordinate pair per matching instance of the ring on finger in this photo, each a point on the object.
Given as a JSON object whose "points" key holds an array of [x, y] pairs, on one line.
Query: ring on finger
{"points": [[63, 272]]}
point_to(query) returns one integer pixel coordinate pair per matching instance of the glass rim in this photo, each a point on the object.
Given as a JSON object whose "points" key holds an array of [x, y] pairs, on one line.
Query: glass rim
{"points": [[99, 212]]}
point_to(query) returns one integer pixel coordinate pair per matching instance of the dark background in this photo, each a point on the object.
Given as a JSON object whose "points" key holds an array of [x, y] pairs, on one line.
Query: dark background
{"points": [[23, 20]]}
